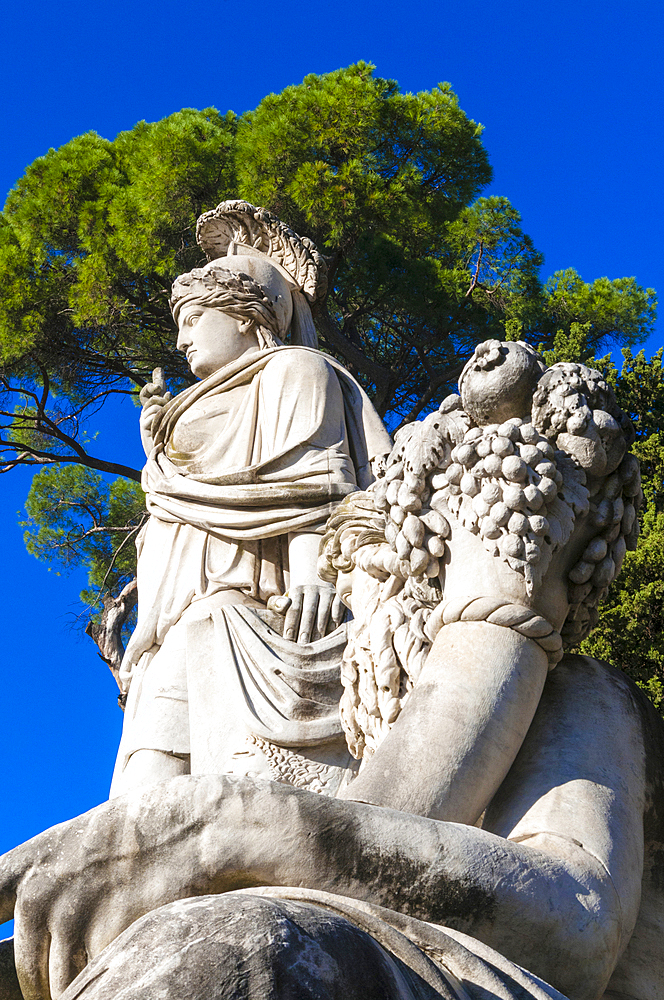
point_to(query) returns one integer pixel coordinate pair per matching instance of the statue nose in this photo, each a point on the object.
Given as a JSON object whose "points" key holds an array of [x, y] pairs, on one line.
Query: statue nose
{"points": [[184, 340]]}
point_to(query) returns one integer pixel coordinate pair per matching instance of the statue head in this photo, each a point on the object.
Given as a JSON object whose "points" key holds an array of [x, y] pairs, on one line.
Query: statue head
{"points": [[222, 312], [260, 273]]}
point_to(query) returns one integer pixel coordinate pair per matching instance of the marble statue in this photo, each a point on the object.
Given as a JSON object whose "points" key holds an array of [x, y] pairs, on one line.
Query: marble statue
{"points": [[242, 471], [501, 833]]}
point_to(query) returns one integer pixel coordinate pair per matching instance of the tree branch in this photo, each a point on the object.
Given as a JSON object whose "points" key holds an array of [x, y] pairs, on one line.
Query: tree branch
{"points": [[376, 373], [107, 632], [28, 455]]}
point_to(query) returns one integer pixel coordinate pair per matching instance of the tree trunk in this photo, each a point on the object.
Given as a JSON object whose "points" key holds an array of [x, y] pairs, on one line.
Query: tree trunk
{"points": [[107, 632]]}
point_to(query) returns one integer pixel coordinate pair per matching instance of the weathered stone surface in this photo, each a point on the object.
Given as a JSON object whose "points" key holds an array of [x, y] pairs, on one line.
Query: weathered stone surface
{"points": [[245, 947], [281, 945], [9, 988]]}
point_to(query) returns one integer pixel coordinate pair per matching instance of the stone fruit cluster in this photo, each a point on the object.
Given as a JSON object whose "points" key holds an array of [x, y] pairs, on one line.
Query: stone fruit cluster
{"points": [[522, 484], [415, 530], [614, 506], [499, 484]]}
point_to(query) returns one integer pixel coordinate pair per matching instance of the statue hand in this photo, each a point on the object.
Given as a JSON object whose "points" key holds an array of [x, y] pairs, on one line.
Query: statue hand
{"points": [[312, 612], [155, 390], [153, 397], [150, 411], [74, 888], [65, 904]]}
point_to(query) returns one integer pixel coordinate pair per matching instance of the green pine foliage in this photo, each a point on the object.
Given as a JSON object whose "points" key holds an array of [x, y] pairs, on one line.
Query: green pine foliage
{"points": [[77, 517], [630, 632]]}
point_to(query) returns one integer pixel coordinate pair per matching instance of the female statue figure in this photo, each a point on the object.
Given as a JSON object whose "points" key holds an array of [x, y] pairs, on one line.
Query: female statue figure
{"points": [[243, 470]]}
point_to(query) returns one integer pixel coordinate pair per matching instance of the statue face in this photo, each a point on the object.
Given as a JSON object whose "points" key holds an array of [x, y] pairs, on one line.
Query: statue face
{"points": [[211, 339]]}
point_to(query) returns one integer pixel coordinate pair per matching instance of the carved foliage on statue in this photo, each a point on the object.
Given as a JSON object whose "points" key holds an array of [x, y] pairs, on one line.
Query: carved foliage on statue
{"points": [[292, 768], [383, 659], [386, 646], [239, 222], [516, 459], [520, 484], [506, 484]]}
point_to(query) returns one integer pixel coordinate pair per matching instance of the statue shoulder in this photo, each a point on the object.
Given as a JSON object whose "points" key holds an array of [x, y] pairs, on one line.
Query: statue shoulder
{"points": [[302, 357], [588, 768], [607, 718], [300, 367], [578, 676]]}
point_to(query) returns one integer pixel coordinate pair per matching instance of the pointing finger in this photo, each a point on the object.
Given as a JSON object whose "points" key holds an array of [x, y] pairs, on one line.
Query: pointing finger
{"points": [[158, 379]]}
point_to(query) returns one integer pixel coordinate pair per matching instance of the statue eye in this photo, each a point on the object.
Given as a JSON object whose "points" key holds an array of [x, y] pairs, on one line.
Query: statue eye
{"points": [[192, 320]]}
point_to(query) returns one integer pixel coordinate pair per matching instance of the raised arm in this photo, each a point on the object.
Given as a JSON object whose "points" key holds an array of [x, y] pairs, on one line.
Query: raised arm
{"points": [[462, 725], [153, 397]]}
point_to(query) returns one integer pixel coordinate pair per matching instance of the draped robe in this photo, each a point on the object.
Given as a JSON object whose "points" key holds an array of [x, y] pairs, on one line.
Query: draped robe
{"points": [[261, 449]]}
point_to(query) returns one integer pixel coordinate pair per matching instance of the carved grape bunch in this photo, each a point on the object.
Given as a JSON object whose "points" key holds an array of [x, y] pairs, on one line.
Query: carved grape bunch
{"points": [[500, 477]]}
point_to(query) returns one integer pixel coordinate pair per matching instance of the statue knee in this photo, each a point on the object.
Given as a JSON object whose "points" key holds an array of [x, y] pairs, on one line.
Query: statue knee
{"points": [[238, 947]]}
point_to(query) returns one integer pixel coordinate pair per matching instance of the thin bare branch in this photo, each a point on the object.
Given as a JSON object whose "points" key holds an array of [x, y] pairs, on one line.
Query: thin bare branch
{"points": [[107, 634], [379, 376], [26, 454], [124, 541]]}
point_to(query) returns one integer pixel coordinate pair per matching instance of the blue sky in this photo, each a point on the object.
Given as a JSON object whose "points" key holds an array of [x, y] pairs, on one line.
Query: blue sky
{"points": [[571, 99]]}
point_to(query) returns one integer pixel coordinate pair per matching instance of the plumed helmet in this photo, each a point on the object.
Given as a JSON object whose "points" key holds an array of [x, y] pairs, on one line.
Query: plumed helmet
{"points": [[275, 282], [241, 237]]}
